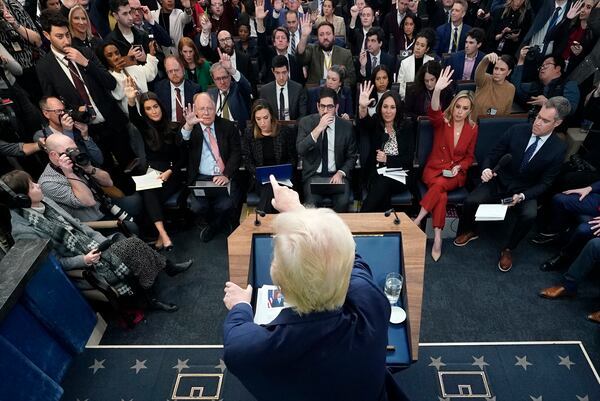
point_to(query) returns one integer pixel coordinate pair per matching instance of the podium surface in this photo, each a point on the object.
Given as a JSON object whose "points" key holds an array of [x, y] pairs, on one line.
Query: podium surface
{"points": [[413, 242]]}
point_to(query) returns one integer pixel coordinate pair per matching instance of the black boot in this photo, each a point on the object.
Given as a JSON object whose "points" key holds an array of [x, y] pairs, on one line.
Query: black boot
{"points": [[155, 304], [557, 262], [173, 269]]}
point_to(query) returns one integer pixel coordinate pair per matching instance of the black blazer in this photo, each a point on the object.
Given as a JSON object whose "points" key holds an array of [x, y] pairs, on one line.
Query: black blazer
{"points": [[297, 98], [139, 38], [228, 139], [99, 82], [386, 59], [541, 170], [238, 100], [267, 52], [310, 151], [242, 62], [284, 146], [163, 90]]}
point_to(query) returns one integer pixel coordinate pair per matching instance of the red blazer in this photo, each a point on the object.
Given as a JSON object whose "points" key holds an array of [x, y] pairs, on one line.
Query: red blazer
{"points": [[444, 155]]}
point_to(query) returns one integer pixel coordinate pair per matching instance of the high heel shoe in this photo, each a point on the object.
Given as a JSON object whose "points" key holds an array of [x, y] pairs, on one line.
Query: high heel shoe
{"points": [[436, 255]]}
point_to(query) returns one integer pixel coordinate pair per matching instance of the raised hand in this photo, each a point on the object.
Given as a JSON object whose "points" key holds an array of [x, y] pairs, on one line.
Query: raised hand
{"points": [[364, 97], [259, 9], [147, 14], [131, 91], [354, 11], [205, 23], [225, 60], [362, 58], [444, 80], [492, 57], [284, 198], [191, 119], [574, 9], [306, 24]]}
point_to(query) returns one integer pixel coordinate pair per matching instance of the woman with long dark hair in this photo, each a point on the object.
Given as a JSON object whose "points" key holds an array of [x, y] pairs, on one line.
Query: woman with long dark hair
{"points": [[266, 143], [386, 140], [381, 79], [419, 99], [163, 153], [410, 25]]}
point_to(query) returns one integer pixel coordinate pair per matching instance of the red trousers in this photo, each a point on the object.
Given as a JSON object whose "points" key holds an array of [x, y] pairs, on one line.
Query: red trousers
{"points": [[436, 198]]}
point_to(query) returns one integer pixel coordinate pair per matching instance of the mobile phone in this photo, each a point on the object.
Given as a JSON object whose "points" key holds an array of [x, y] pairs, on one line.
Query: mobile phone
{"points": [[138, 47], [507, 201], [447, 173], [104, 245]]}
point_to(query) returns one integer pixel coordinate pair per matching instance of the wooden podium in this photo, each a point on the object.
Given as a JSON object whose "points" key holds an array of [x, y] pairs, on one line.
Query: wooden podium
{"points": [[239, 246]]}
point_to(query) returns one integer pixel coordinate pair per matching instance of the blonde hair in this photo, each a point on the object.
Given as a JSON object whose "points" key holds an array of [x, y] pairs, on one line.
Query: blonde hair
{"points": [[460, 95], [89, 23], [312, 259]]}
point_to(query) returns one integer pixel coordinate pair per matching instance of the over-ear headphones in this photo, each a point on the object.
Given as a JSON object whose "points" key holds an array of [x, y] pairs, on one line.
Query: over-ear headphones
{"points": [[17, 200]]}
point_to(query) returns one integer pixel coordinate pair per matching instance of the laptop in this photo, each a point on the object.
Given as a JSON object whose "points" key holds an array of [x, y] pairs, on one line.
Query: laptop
{"points": [[208, 189], [282, 172], [322, 186]]}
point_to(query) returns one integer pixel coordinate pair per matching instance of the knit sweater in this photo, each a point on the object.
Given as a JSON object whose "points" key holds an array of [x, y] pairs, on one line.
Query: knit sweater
{"points": [[490, 94]]}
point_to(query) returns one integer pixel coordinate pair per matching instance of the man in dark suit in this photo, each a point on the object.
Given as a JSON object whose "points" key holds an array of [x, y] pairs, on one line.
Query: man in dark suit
{"points": [[464, 62], [374, 55], [328, 149], [232, 92], [537, 156], [137, 44], [318, 58], [79, 79], [281, 43], [439, 12], [451, 36], [288, 98], [357, 34], [176, 92], [215, 155], [547, 18]]}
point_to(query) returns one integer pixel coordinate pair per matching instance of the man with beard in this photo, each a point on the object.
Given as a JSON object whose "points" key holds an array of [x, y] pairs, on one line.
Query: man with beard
{"points": [[239, 61], [321, 56]]}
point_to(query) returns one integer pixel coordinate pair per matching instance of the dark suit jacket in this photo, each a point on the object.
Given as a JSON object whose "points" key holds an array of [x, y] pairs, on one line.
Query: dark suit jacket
{"points": [[541, 170], [344, 101], [139, 38], [296, 98], [267, 52], [99, 82], [386, 59], [238, 100], [310, 151], [297, 350], [163, 90], [457, 62], [314, 59], [228, 139], [391, 27], [355, 39], [444, 36], [242, 62], [284, 147], [542, 16], [436, 12]]}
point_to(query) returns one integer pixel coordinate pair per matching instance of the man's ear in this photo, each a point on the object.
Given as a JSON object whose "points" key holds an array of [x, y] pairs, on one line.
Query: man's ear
{"points": [[557, 123], [46, 35]]}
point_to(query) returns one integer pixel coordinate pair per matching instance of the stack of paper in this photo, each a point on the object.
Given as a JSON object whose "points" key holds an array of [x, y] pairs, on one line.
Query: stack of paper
{"points": [[149, 180], [269, 303], [493, 212], [397, 174]]}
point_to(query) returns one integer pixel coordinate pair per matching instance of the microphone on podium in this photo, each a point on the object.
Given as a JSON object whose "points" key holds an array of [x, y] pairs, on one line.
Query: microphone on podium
{"points": [[396, 218], [256, 214], [504, 160]]}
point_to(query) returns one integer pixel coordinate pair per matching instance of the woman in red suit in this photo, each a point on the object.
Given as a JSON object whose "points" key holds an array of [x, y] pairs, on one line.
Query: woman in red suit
{"points": [[453, 151]]}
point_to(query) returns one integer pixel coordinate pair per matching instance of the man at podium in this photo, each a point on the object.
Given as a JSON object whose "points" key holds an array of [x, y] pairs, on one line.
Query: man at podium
{"points": [[331, 343]]}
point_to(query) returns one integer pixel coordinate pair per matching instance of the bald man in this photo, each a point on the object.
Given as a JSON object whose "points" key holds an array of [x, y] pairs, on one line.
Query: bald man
{"points": [[215, 155]]}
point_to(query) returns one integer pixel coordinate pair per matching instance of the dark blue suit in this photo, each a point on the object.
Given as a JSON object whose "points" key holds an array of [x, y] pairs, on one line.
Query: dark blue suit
{"points": [[457, 63], [238, 100], [337, 355], [444, 36], [163, 91]]}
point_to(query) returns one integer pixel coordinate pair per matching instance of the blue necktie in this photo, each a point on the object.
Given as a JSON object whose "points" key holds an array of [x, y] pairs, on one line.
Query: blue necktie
{"points": [[528, 154], [553, 21]]}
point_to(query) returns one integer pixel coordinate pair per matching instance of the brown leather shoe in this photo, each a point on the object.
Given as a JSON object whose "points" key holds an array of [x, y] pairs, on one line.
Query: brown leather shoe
{"points": [[464, 238], [505, 262], [594, 317], [556, 292]]}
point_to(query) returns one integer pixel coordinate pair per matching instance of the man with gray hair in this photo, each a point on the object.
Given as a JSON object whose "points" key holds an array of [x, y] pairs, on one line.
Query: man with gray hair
{"points": [[232, 92], [536, 155]]}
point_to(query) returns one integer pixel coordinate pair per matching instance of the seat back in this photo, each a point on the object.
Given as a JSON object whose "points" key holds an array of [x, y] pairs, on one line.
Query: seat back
{"points": [[465, 85], [491, 129], [424, 141]]}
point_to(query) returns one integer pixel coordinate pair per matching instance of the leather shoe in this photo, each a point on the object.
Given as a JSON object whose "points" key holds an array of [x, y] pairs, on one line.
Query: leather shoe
{"points": [[207, 233], [465, 238], [132, 165], [543, 239], [594, 317], [173, 269], [556, 293], [505, 262], [155, 304], [556, 262]]}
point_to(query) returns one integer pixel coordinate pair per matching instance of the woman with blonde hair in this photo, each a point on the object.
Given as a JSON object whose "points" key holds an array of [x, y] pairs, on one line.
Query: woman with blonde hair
{"points": [[455, 135], [338, 316], [197, 68], [81, 29]]}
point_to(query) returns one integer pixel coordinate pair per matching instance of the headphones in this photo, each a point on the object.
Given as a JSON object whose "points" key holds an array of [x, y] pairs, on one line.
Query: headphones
{"points": [[17, 200]]}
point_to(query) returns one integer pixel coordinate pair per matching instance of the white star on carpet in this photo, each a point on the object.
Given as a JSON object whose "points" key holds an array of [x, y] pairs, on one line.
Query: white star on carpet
{"points": [[479, 362], [584, 398], [221, 366], [436, 362], [443, 399], [536, 398], [522, 362], [181, 365], [97, 365], [139, 365], [491, 399], [566, 361]]}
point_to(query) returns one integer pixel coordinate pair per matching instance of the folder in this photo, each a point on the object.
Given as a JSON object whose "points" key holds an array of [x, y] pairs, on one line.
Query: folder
{"points": [[282, 173], [491, 212]]}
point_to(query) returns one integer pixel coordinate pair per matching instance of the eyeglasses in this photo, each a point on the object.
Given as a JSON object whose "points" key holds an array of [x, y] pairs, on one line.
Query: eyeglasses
{"points": [[544, 66], [57, 111], [206, 109], [224, 78], [328, 107], [136, 10]]}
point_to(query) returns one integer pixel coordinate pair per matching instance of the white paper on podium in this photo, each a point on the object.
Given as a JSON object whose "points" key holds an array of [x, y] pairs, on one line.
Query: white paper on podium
{"points": [[149, 180], [491, 212]]}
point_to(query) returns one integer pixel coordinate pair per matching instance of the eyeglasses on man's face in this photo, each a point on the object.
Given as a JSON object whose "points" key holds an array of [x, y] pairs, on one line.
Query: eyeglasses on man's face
{"points": [[546, 65], [327, 107]]}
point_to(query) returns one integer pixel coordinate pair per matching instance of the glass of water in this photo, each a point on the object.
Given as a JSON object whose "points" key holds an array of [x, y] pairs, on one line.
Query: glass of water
{"points": [[393, 287]]}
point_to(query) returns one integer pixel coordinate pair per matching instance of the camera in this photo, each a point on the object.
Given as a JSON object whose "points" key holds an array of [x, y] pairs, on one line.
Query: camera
{"points": [[84, 117], [119, 213], [533, 53], [77, 157], [405, 53]]}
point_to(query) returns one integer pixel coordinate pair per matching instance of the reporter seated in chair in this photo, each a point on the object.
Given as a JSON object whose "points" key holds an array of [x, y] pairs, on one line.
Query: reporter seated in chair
{"points": [[452, 153], [338, 316], [164, 153], [266, 143], [494, 94], [386, 140], [418, 99], [127, 265]]}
